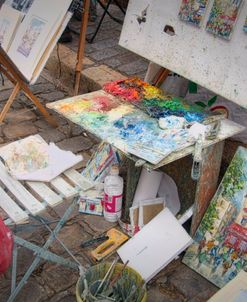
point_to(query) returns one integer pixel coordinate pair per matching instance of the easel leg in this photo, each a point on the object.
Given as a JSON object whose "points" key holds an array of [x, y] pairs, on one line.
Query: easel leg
{"points": [[9, 102], [133, 174], [207, 183], [81, 49]]}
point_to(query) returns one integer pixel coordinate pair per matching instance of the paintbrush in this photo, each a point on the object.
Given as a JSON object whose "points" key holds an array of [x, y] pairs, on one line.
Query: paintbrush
{"points": [[118, 275], [109, 273]]}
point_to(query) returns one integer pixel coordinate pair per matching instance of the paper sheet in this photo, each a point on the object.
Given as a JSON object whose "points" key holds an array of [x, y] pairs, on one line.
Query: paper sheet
{"points": [[154, 246], [148, 185]]}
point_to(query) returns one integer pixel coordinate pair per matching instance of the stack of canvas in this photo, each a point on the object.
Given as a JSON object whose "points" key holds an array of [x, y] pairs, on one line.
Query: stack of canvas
{"points": [[37, 35]]}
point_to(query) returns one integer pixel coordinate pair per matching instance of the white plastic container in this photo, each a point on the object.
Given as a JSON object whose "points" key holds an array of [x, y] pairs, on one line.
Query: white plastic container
{"points": [[113, 188]]}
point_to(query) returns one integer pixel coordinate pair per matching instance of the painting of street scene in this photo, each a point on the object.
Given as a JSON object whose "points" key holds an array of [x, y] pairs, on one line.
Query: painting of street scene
{"points": [[219, 251], [223, 17], [193, 11], [30, 37]]}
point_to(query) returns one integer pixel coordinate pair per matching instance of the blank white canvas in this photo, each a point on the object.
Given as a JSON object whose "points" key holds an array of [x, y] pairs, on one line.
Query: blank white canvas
{"points": [[35, 33], [10, 19], [157, 244]]}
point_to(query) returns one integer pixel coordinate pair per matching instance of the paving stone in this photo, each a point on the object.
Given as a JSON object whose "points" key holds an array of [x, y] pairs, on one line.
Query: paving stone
{"points": [[19, 116], [65, 296], [113, 62], [71, 236], [7, 84], [43, 124], [52, 96], [59, 278], [42, 88], [105, 43], [76, 144], [102, 74], [52, 135], [1, 140], [154, 295], [31, 292], [193, 284], [15, 131], [97, 223], [104, 54], [133, 67], [5, 95]]}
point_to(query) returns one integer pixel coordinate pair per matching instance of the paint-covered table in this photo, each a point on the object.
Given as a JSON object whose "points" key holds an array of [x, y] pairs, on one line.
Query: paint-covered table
{"points": [[137, 135]]}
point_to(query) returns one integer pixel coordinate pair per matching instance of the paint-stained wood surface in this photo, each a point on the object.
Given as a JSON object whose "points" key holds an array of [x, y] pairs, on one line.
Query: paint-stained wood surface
{"points": [[208, 182], [189, 50]]}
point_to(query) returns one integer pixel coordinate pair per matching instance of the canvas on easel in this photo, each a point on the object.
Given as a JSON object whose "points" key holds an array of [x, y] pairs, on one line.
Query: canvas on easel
{"points": [[10, 19], [35, 33]]}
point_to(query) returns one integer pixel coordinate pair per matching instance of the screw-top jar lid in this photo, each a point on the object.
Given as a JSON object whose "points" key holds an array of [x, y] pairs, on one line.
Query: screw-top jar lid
{"points": [[114, 170]]}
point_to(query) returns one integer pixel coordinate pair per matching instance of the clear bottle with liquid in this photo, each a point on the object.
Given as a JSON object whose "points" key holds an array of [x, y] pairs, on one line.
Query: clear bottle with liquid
{"points": [[113, 189]]}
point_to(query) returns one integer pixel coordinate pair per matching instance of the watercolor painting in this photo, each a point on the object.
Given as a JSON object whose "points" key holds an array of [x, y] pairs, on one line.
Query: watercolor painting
{"points": [[123, 125], [193, 11], [223, 17], [30, 37], [4, 26], [26, 155], [156, 103], [219, 251], [245, 25]]}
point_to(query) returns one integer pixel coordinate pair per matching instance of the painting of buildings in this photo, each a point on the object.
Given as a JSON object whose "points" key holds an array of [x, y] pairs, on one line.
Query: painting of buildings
{"points": [[219, 251]]}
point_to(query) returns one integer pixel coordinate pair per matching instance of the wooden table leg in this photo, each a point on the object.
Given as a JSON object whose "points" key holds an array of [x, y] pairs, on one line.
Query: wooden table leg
{"points": [[208, 182], [9, 102], [133, 174]]}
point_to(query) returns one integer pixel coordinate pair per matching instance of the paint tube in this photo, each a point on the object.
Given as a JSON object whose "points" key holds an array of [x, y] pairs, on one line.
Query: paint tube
{"points": [[197, 159]]}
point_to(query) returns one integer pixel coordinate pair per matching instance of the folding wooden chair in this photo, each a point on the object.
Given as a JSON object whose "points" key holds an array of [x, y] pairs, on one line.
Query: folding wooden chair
{"points": [[24, 201]]}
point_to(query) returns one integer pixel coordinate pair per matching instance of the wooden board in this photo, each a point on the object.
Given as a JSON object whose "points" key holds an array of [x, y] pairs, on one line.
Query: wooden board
{"points": [[20, 192], [213, 62], [77, 179], [45, 193], [62, 187], [11, 208]]}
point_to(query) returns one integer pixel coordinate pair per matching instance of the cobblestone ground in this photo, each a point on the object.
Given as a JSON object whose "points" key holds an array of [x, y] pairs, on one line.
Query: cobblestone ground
{"points": [[49, 282]]}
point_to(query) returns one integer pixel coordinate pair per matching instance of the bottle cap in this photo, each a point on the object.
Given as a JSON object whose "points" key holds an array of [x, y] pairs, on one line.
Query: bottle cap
{"points": [[114, 170]]}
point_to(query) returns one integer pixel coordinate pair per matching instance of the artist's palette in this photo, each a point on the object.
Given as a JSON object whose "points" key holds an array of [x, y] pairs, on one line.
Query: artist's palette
{"points": [[155, 102], [122, 125]]}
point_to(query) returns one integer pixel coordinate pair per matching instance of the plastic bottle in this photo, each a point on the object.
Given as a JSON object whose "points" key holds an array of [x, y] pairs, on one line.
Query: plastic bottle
{"points": [[113, 188]]}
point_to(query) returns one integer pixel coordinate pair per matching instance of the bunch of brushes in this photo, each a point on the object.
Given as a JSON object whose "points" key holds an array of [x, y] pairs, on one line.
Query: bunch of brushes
{"points": [[112, 284]]}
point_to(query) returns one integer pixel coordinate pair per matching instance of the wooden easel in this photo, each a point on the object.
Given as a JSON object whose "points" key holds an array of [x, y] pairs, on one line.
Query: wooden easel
{"points": [[81, 48], [8, 68]]}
